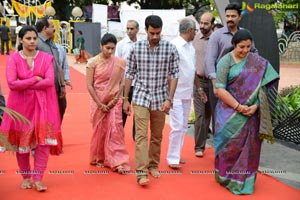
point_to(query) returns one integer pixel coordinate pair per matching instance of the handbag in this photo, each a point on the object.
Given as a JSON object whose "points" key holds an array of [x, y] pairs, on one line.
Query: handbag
{"points": [[76, 51]]}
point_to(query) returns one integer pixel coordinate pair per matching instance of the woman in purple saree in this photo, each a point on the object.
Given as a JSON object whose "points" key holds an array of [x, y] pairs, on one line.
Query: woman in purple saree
{"points": [[104, 77], [242, 114]]}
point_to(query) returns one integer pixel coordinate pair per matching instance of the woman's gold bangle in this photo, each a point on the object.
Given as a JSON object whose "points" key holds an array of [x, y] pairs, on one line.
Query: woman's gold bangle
{"points": [[237, 106], [124, 97]]}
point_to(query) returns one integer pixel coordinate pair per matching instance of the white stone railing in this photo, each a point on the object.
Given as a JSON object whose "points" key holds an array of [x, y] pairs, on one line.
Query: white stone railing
{"points": [[289, 47], [284, 41]]}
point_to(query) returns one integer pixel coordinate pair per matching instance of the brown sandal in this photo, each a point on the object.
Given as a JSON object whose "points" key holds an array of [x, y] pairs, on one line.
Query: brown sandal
{"points": [[143, 181], [175, 166], [154, 172], [182, 161]]}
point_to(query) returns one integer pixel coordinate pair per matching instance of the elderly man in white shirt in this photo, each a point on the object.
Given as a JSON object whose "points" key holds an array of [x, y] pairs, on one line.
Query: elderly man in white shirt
{"points": [[122, 50], [179, 113], [123, 46]]}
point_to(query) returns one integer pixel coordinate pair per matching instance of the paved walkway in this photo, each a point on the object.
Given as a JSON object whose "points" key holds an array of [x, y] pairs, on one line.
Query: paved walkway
{"points": [[289, 75], [277, 160]]}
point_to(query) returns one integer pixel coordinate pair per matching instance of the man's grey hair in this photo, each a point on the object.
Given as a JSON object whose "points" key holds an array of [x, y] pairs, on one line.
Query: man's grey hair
{"points": [[136, 23], [186, 24]]}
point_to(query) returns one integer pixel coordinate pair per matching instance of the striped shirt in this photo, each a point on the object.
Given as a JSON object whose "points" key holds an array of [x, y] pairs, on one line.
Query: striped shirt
{"points": [[151, 68], [64, 61]]}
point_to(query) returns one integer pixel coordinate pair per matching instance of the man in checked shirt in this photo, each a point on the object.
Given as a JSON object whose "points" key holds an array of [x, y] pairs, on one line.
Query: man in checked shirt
{"points": [[154, 64]]}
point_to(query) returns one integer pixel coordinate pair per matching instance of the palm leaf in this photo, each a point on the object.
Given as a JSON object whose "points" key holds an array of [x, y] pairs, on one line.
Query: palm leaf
{"points": [[17, 118]]}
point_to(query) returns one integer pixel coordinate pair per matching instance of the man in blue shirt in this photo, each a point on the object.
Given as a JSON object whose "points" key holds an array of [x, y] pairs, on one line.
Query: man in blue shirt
{"points": [[218, 45]]}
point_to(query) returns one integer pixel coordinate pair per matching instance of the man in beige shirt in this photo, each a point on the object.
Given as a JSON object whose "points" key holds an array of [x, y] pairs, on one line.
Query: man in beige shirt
{"points": [[201, 104]]}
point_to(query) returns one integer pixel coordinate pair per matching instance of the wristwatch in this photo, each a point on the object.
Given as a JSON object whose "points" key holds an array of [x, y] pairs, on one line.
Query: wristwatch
{"points": [[200, 89]]}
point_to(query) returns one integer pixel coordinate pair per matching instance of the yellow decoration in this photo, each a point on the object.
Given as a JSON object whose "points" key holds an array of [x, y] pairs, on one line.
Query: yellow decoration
{"points": [[56, 24], [25, 11]]}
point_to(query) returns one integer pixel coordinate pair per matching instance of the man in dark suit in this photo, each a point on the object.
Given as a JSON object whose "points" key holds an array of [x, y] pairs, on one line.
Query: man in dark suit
{"points": [[5, 36]]}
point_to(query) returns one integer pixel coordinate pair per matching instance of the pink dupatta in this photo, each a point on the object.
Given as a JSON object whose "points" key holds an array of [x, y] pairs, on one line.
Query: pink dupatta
{"points": [[36, 100]]}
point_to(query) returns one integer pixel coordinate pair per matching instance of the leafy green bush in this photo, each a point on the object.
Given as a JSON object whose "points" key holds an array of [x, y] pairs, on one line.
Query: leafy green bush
{"points": [[291, 97], [192, 117]]}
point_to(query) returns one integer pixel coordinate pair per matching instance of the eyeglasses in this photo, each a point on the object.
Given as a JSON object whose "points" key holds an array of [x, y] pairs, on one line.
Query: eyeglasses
{"points": [[194, 29]]}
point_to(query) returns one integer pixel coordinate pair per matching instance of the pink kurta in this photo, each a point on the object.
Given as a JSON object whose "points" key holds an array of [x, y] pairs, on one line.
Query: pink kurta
{"points": [[36, 100], [107, 144]]}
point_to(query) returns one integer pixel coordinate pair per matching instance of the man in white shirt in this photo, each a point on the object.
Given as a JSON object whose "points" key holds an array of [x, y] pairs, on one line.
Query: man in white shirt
{"points": [[122, 50], [179, 114]]}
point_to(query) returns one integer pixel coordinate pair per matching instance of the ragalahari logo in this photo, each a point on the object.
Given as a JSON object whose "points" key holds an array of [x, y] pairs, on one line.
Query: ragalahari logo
{"points": [[246, 8]]}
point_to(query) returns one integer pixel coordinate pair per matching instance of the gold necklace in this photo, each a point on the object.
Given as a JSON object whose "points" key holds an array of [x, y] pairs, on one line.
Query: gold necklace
{"points": [[101, 58], [29, 59], [34, 55]]}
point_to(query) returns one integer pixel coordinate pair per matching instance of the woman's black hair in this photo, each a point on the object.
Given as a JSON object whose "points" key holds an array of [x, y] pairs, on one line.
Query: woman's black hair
{"points": [[107, 38], [80, 32], [241, 35], [23, 31]]}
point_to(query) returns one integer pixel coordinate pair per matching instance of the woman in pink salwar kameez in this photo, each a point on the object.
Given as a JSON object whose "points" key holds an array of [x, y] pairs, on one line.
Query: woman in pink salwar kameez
{"points": [[105, 83], [30, 77]]}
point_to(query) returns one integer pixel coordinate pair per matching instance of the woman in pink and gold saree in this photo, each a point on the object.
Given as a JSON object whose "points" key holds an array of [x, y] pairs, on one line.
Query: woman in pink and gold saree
{"points": [[30, 78], [104, 77]]}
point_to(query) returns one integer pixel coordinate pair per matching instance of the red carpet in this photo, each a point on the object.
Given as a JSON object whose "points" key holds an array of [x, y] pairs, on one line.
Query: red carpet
{"points": [[69, 175]]}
